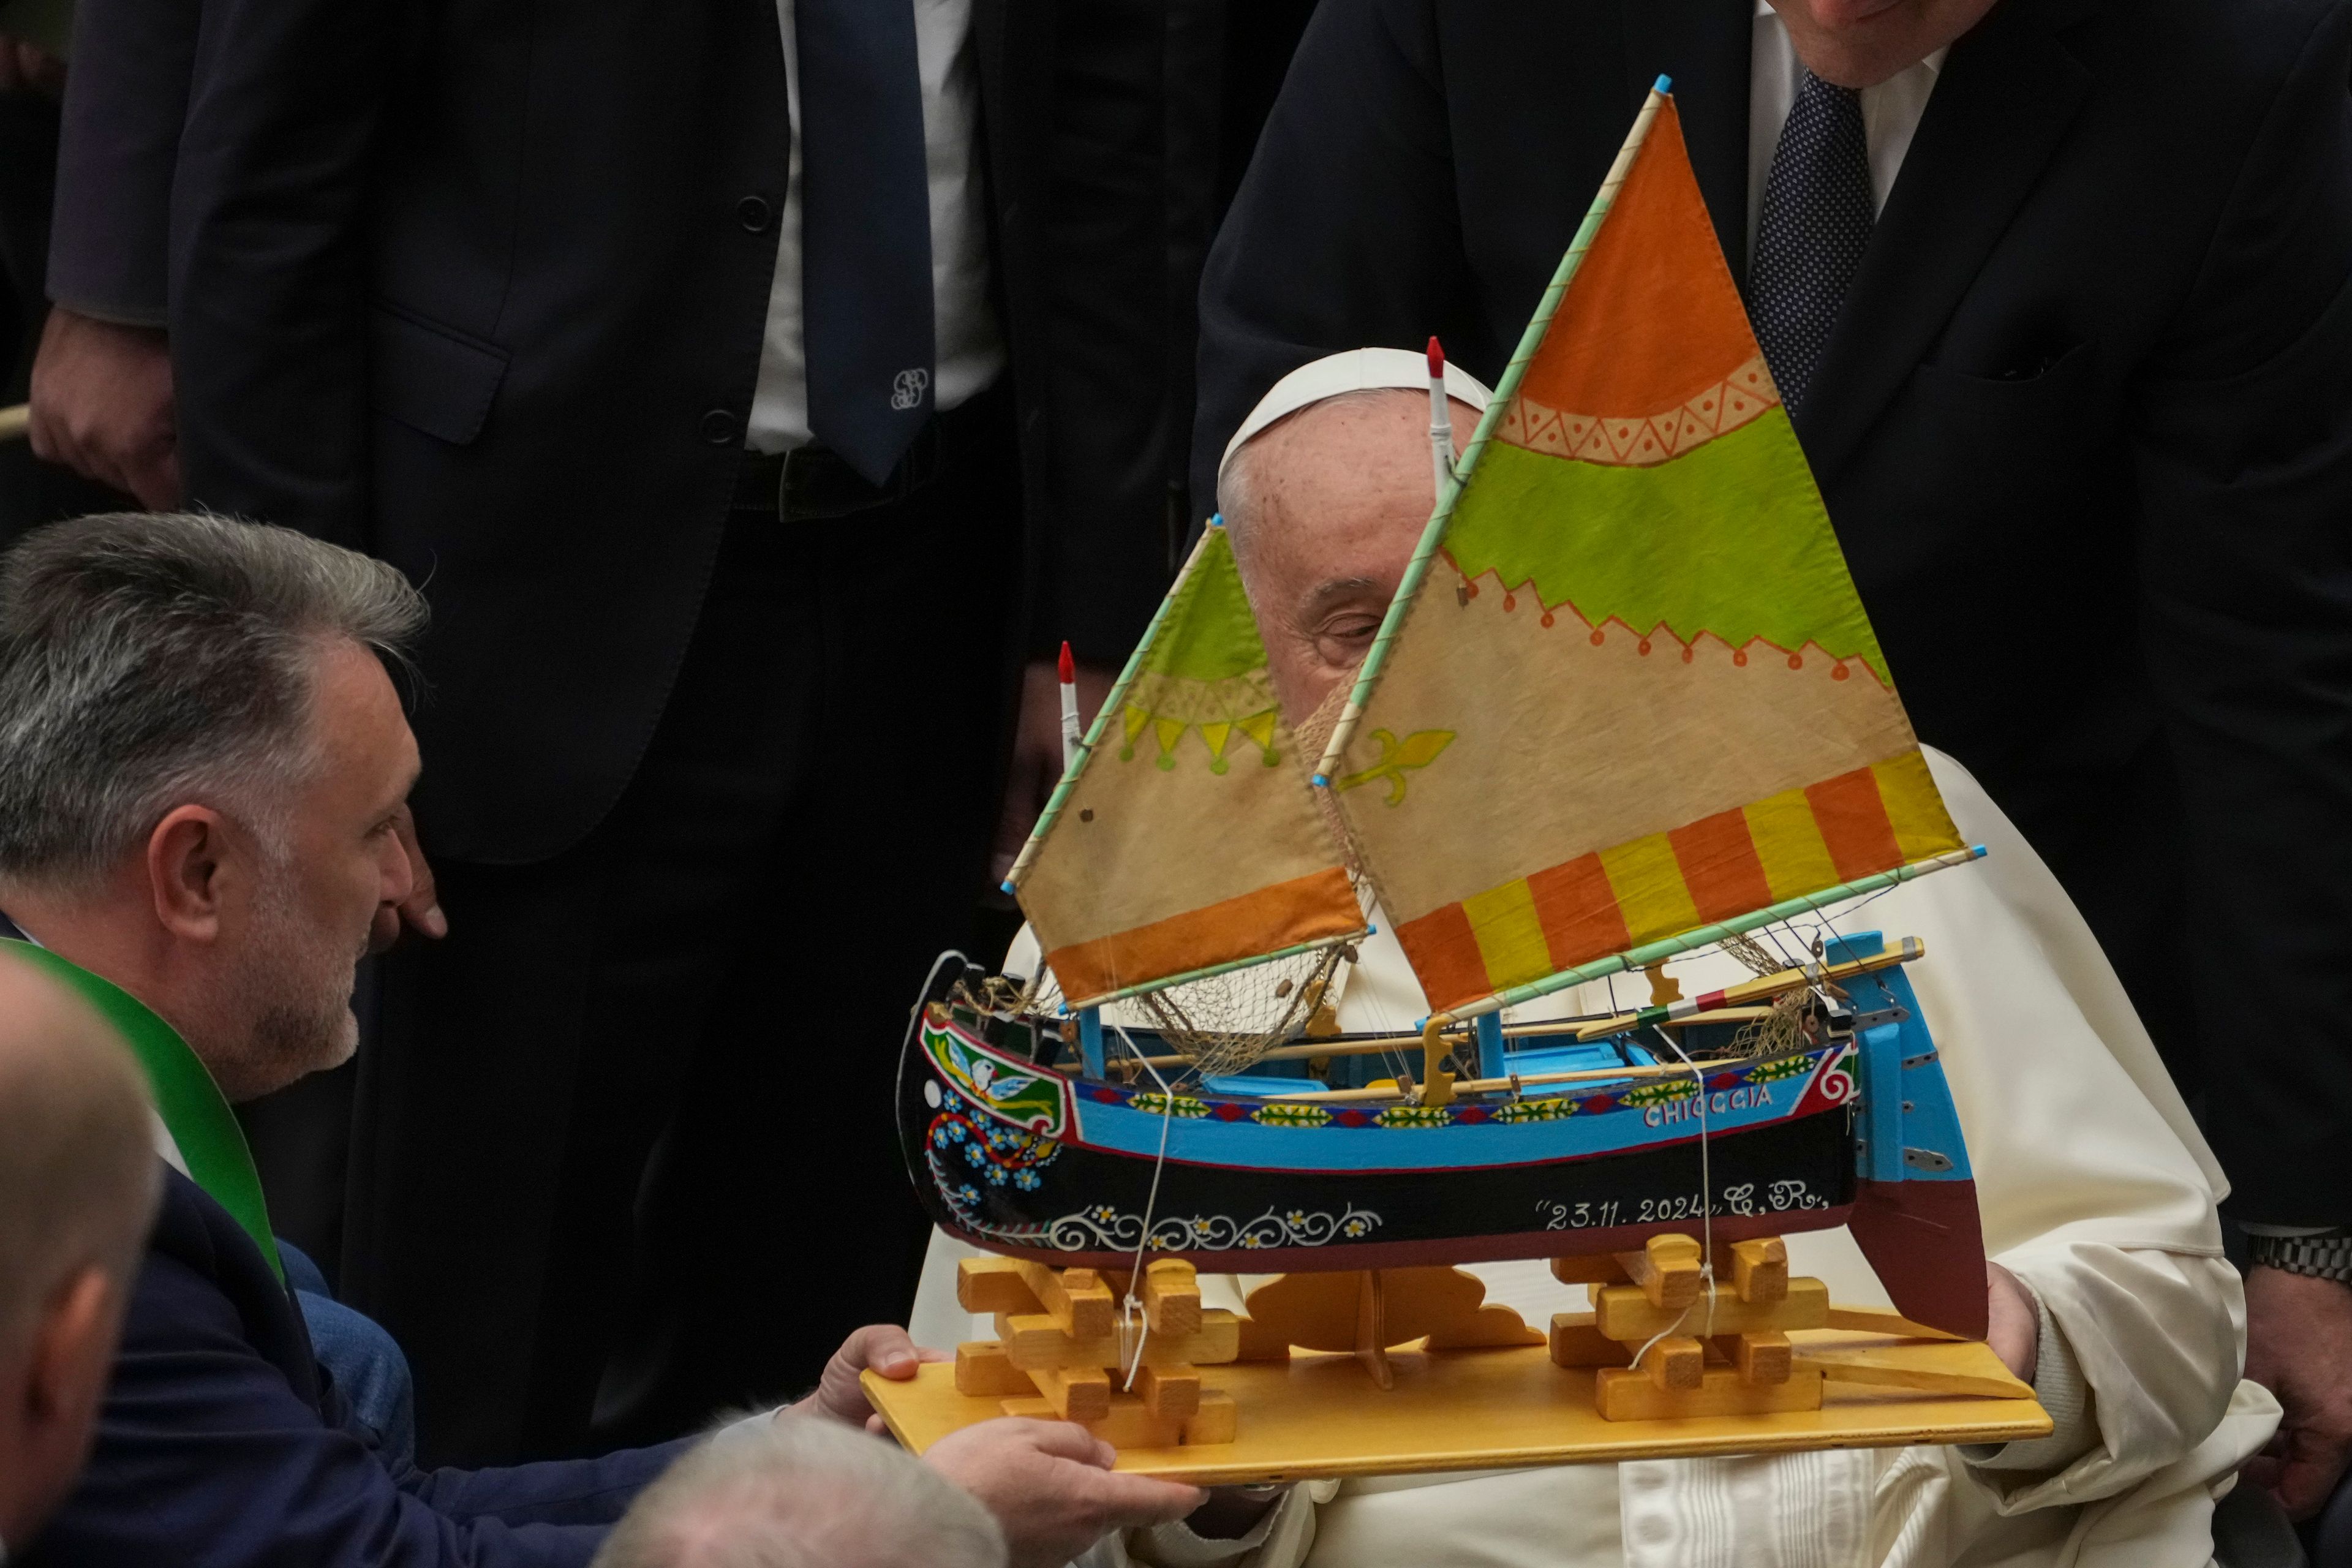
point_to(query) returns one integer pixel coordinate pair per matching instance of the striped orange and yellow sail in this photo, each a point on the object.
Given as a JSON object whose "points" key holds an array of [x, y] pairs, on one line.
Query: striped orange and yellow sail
{"points": [[1185, 837], [1630, 690]]}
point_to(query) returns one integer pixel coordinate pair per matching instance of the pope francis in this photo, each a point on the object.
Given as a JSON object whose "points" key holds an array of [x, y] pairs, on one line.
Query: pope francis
{"points": [[2108, 1288]]}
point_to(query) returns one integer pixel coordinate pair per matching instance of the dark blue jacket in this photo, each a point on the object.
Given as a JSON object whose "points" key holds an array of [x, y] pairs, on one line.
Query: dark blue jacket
{"points": [[222, 1444]]}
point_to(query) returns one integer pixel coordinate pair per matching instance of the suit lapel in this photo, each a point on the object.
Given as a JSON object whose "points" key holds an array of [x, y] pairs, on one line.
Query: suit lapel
{"points": [[2007, 95], [1703, 46]]}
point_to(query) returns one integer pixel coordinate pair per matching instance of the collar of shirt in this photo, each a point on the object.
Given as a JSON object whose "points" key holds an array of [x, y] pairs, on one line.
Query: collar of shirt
{"points": [[1890, 112]]}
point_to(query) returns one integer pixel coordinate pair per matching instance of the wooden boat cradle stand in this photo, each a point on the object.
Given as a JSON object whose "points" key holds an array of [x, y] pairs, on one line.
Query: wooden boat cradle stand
{"points": [[1707, 1346]]}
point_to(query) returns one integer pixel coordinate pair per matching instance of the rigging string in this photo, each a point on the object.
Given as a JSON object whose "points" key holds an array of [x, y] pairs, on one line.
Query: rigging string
{"points": [[1705, 1210], [1127, 1307]]}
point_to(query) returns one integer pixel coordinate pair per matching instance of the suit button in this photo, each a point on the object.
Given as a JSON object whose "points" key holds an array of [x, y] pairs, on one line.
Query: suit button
{"points": [[754, 214], [720, 427]]}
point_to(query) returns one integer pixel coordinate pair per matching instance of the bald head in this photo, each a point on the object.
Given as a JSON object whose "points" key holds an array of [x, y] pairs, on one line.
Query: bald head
{"points": [[799, 1491], [1325, 508], [77, 1146], [78, 1183]]}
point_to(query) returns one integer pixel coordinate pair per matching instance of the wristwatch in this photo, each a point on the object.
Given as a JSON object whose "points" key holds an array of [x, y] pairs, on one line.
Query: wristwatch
{"points": [[2327, 1256]]}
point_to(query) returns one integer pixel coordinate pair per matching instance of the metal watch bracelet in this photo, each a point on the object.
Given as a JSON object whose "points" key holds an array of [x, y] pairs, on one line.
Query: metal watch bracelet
{"points": [[2319, 1256]]}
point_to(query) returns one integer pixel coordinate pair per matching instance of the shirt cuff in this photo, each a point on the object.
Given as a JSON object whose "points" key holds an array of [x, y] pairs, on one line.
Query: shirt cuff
{"points": [[1175, 1545], [2255, 1228], [2062, 1389], [115, 313]]}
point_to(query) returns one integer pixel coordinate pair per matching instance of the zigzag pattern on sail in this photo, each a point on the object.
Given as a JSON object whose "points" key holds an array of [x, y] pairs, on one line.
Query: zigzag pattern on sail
{"points": [[1643, 436]]}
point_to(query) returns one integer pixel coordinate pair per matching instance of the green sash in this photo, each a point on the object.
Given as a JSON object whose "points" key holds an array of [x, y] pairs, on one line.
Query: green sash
{"points": [[212, 1145]]}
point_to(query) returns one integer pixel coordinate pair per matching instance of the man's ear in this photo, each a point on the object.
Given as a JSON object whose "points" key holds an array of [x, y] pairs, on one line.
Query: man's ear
{"points": [[72, 1352], [185, 862]]}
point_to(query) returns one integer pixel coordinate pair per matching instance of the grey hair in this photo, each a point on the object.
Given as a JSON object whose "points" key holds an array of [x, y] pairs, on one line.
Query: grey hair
{"points": [[801, 1491], [147, 659]]}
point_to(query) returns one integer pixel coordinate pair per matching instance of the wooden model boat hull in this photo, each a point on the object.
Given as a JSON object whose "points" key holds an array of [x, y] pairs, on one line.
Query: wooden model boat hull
{"points": [[1020, 1159]]}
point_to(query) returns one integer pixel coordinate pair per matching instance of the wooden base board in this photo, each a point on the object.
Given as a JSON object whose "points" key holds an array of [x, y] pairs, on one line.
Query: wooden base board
{"points": [[1319, 1414]]}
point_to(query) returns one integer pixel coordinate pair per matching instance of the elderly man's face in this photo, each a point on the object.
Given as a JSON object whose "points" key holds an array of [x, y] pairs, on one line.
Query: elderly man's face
{"points": [[1861, 43], [1340, 493], [293, 928]]}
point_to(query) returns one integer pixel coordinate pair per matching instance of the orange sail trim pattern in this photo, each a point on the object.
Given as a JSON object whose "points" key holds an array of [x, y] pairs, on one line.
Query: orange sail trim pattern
{"points": [[1656, 317], [1719, 869], [1641, 437], [1317, 907]]}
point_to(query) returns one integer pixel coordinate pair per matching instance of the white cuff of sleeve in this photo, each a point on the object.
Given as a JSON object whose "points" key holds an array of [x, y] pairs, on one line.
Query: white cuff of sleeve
{"points": [[2064, 1392], [2257, 1227], [1175, 1545]]}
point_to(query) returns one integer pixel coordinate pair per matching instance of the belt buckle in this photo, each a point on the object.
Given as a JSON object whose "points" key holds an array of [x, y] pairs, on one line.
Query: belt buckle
{"points": [[836, 491]]}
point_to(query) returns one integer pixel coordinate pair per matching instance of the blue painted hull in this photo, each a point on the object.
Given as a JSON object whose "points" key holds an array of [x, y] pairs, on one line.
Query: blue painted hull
{"points": [[1020, 1158]]}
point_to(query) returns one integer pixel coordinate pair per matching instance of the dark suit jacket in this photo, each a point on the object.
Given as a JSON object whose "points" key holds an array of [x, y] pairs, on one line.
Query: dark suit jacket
{"points": [[223, 1444], [2085, 427], [126, 94], [482, 291]]}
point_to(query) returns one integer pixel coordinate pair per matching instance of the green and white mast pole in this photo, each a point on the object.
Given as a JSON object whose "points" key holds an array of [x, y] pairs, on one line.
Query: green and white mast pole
{"points": [[1453, 480], [1417, 569]]}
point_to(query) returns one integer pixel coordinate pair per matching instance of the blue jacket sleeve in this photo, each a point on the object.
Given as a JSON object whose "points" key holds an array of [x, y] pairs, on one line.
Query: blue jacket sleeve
{"points": [[207, 1456]]}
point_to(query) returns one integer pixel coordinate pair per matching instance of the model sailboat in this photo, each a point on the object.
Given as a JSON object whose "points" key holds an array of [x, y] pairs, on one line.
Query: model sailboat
{"points": [[1625, 705]]}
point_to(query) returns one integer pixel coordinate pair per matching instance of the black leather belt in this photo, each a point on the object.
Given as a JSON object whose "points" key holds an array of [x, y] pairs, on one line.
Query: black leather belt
{"points": [[813, 482]]}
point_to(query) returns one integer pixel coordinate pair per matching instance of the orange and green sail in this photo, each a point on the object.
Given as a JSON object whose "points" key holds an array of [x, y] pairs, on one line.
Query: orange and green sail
{"points": [[1185, 837], [1628, 691]]}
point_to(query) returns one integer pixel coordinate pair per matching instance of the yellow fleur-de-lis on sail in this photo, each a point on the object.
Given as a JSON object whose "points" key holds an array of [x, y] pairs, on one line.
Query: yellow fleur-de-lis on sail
{"points": [[1417, 750]]}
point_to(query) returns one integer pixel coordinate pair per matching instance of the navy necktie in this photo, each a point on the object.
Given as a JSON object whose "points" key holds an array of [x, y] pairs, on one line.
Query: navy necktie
{"points": [[1818, 214], [866, 230]]}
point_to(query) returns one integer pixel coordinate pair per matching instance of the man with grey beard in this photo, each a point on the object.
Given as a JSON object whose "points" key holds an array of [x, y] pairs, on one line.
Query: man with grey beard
{"points": [[203, 771]]}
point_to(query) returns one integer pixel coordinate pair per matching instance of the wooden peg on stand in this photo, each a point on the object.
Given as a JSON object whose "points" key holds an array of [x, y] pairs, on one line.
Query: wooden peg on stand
{"points": [[1063, 1351]]}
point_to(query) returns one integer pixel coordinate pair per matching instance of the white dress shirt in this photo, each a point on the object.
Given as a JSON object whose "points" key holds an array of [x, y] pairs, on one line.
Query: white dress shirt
{"points": [[970, 352], [1890, 112]]}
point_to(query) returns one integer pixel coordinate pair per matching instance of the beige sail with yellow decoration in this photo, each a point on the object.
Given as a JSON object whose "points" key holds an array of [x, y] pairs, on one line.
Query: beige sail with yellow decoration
{"points": [[1184, 839]]}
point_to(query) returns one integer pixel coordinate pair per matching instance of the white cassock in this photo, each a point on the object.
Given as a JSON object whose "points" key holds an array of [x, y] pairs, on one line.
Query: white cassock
{"points": [[2096, 1190]]}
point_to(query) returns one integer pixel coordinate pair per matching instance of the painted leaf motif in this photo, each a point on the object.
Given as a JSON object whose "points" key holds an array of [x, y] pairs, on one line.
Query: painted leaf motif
{"points": [[1420, 749], [1397, 757]]}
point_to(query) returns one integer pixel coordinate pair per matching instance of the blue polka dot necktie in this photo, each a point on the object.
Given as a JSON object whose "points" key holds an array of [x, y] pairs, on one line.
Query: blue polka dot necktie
{"points": [[1818, 214], [866, 230]]}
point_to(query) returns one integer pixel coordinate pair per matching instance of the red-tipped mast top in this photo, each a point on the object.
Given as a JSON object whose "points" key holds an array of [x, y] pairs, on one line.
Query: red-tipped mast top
{"points": [[1436, 361], [1069, 669]]}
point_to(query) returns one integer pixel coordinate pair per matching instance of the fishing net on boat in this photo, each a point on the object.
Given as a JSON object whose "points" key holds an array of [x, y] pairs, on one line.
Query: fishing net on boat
{"points": [[1785, 1027], [1781, 1029], [1759, 959], [1226, 1022]]}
